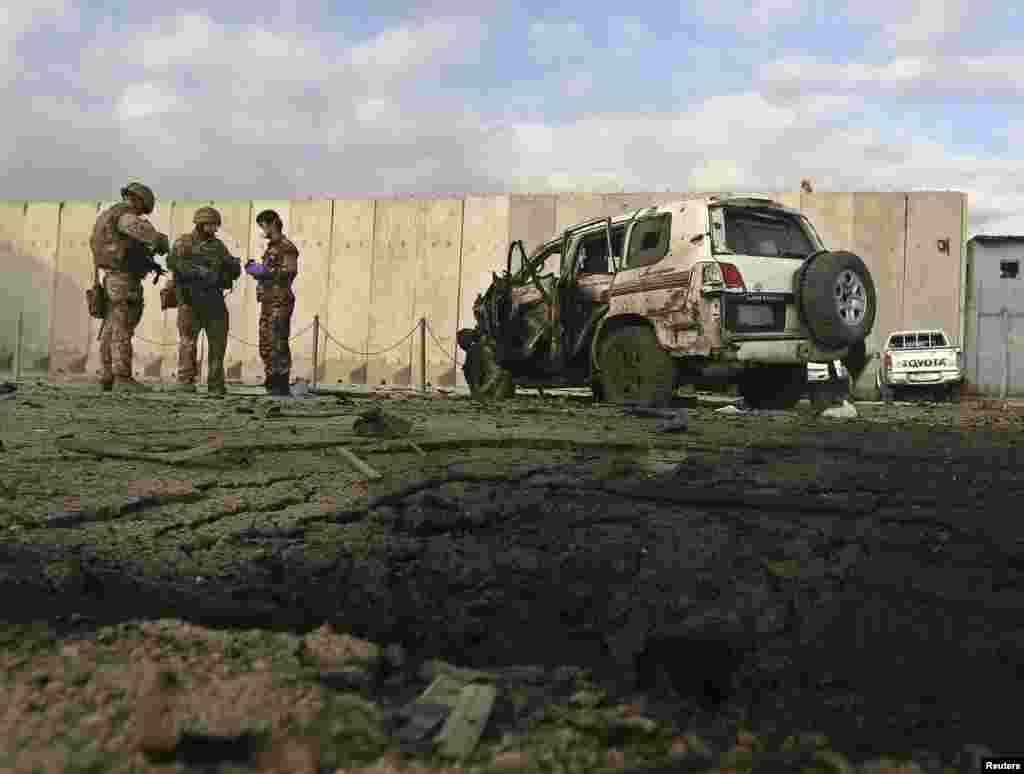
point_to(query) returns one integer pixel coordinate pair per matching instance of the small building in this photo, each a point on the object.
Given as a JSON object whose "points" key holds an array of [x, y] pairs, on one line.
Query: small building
{"points": [[994, 324]]}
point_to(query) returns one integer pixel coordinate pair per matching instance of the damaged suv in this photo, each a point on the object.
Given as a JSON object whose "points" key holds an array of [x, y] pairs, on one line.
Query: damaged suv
{"points": [[711, 292]]}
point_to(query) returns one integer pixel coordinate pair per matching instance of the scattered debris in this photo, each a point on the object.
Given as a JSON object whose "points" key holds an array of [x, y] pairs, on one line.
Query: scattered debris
{"points": [[679, 425], [653, 413], [358, 464], [845, 411], [375, 421], [465, 724], [732, 408]]}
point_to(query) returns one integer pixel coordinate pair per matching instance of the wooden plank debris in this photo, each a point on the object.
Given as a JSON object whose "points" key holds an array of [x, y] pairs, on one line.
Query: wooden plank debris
{"points": [[465, 724]]}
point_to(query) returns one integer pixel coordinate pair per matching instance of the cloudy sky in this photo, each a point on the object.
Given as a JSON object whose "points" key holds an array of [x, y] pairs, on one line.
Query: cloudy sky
{"points": [[269, 100]]}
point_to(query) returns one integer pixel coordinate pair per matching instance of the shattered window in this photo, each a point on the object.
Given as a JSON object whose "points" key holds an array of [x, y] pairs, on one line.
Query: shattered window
{"points": [[592, 251], [765, 233], [550, 261], [649, 241]]}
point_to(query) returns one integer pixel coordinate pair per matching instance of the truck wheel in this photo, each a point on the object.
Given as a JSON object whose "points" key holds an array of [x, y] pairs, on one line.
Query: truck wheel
{"points": [[773, 387], [634, 368], [836, 299], [486, 379]]}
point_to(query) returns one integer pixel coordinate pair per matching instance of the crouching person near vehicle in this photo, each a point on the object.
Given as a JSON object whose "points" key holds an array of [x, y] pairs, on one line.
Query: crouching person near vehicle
{"points": [[275, 274], [203, 269]]}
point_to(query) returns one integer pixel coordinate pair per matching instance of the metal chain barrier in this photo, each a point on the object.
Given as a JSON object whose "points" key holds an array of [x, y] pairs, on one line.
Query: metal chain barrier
{"points": [[327, 334], [450, 355], [154, 343], [230, 336]]}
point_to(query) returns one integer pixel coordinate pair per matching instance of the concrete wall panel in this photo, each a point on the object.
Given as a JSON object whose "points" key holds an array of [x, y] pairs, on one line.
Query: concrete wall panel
{"points": [[574, 208], [396, 256], [788, 198], [832, 215], [310, 230], [879, 239], [437, 289], [532, 219], [12, 221], [485, 237], [248, 329], [932, 279], [39, 253], [73, 332], [346, 313]]}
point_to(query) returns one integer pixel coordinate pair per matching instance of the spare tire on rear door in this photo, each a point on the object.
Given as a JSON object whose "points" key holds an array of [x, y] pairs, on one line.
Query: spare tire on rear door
{"points": [[836, 299]]}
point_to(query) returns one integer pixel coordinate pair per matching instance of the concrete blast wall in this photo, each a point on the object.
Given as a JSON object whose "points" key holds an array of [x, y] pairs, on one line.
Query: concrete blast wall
{"points": [[371, 268]]}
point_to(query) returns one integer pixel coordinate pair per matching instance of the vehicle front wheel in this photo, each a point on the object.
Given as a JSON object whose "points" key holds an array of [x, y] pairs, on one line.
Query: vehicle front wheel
{"points": [[486, 379], [634, 368], [773, 387]]}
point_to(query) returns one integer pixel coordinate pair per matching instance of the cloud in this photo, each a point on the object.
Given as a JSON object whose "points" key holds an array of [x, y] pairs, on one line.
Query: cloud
{"points": [[992, 76], [918, 24], [267, 105], [16, 19], [146, 99]]}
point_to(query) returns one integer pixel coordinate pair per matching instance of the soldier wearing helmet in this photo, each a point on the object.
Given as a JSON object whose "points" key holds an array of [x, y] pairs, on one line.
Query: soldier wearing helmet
{"points": [[275, 274], [123, 243], [203, 269]]}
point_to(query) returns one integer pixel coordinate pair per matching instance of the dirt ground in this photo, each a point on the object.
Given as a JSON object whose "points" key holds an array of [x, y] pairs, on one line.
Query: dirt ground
{"points": [[697, 591]]}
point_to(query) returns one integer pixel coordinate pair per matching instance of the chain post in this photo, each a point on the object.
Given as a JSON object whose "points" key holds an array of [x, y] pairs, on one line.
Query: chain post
{"points": [[19, 343], [423, 354], [316, 348]]}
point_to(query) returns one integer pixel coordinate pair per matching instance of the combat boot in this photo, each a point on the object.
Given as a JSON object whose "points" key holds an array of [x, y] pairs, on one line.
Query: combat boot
{"points": [[128, 384], [280, 386], [268, 384], [107, 384]]}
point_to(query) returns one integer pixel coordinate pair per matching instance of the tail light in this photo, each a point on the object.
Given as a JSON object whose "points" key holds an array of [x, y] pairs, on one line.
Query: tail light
{"points": [[888, 362], [732, 277]]}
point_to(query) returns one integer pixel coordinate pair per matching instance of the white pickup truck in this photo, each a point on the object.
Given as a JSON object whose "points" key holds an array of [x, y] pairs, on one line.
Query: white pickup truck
{"points": [[921, 361]]}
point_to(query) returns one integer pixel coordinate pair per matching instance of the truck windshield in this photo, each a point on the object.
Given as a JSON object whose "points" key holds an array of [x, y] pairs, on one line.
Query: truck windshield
{"points": [[767, 232], [917, 340]]}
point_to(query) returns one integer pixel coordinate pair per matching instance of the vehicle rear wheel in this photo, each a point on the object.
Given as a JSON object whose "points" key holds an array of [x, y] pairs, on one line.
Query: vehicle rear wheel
{"points": [[836, 299], [634, 368], [774, 386], [486, 379]]}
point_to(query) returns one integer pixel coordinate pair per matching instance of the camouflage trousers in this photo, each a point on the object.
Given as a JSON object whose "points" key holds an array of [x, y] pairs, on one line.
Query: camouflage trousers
{"points": [[123, 317], [275, 328], [210, 316]]}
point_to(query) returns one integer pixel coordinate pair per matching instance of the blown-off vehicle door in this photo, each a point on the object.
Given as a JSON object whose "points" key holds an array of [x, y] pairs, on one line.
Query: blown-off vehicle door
{"points": [[531, 295], [594, 257]]}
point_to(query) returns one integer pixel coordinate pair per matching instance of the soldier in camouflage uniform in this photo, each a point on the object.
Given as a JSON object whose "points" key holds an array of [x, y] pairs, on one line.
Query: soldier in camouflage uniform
{"points": [[275, 275], [203, 269], [123, 242]]}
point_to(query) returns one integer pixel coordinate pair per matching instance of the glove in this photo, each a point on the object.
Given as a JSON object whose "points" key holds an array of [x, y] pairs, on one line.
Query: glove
{"points": [[254, 269], [197, 274]]}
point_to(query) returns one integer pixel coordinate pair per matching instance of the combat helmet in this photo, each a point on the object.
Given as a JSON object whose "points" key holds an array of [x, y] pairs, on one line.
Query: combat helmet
{"points": [[206, 215], [144, 192]]}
